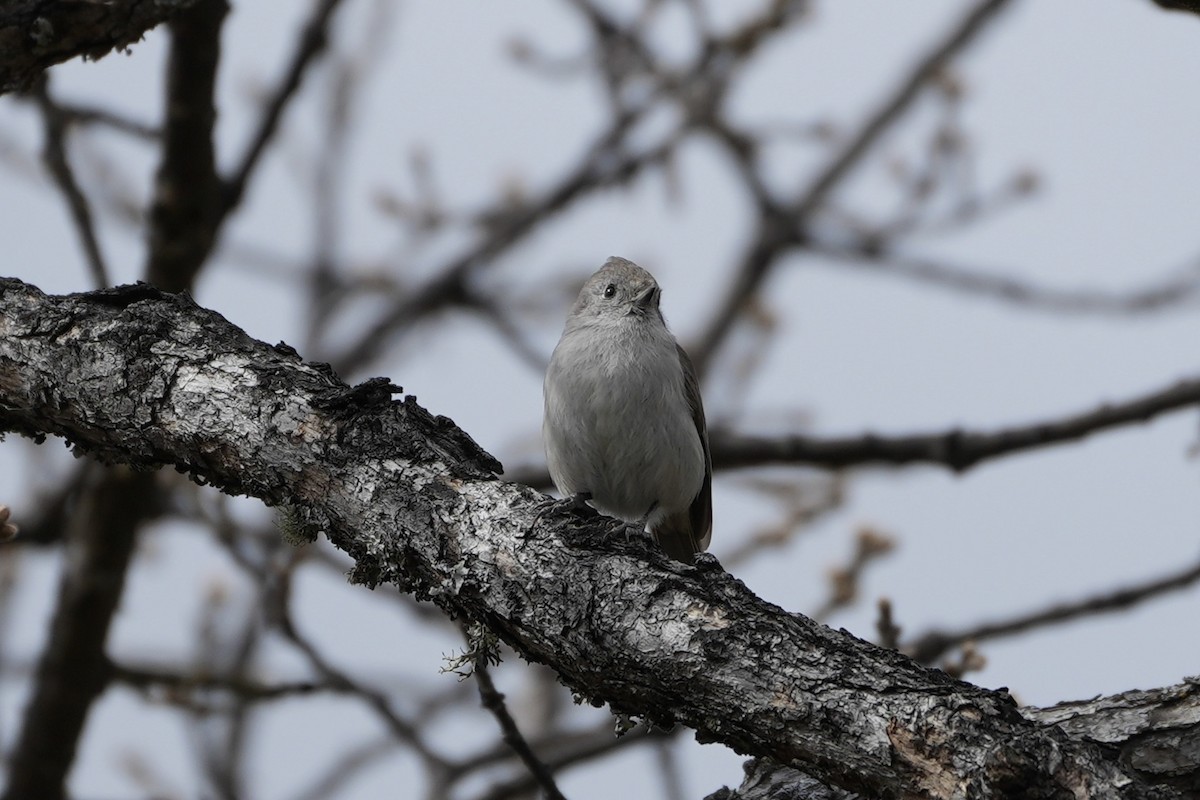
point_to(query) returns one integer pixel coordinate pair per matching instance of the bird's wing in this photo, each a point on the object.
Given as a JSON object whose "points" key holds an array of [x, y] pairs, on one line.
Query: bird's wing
{"points": [[700, 512]]}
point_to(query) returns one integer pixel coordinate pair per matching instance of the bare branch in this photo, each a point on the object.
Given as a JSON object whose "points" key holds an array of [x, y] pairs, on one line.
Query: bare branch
{"points": [[401, 728], [178, 683], [566, 750], [81, 114], [870, 545], [958, 449], [185, 213], [1171, 292], [72, 671], [963, 34], [311, 44], [347, 767], [54, 154], [493, 701], [784, 226], [928, 647], [604, 165]]}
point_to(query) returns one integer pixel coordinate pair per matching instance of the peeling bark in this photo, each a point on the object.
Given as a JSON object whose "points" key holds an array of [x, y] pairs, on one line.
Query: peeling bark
{"points": [[133, 375], [1153, 733]]}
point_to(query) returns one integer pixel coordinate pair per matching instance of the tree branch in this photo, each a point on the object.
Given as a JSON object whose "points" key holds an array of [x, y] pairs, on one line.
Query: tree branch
{"points": [[54, 155], [186, 211], [310, 44], [73, 669], [1192, 6], [35, 34], [784, 226], [957, 449], [493, 701], [931, 645], [414, 501], [1165, 293], [1155, 733], [964, 33]]}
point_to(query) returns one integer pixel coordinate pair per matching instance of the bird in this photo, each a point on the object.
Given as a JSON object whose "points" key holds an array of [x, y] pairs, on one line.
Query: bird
{"points": [[624, 425]]}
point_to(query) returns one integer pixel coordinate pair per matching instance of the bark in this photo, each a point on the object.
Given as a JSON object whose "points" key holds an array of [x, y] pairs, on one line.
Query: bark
{"points": [[1154, 733], [35, 34], [133, 375]]}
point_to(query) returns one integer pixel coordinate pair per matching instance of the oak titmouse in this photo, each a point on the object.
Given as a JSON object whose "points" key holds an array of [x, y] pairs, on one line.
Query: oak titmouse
{"points": [[624, 426]]}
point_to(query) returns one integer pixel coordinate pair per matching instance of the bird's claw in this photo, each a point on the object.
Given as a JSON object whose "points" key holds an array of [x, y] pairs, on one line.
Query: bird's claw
{"points": [[576, 503]]}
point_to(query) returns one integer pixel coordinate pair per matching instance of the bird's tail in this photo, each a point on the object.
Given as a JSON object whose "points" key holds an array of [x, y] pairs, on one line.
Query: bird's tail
{"points": [[676, 537]]}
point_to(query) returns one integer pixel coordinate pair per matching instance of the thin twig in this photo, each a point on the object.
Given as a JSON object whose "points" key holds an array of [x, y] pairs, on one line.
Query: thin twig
{"points": [[54, 155], [929, 646], [348, 767], [578, 748], [784, 226], [963, 34], [493, 701], [604, 165], [312, 42], [177, 681], [1171, 292], [869, 546], [80, 114], [886, 625], [401, 728]]}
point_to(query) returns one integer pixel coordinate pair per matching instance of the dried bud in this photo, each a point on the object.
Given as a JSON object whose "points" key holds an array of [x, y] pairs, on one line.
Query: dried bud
{"points": [[8, 530]]}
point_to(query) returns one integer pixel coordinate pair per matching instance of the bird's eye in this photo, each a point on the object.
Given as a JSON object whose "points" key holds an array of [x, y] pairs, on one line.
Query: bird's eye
{"points": [[610, 290]]}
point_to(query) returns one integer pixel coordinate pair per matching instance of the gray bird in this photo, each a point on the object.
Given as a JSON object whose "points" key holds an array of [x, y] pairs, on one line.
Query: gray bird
{"points": [[624, 426]]}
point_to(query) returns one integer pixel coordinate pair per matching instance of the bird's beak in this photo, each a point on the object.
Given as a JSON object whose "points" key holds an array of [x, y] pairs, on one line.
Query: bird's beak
{"points": [[648, 298]]}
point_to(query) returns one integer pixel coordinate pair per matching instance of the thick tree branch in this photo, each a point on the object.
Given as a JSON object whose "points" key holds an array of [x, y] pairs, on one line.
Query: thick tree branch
{"points": [[1154, 733], [35, 34], [136, 376]]}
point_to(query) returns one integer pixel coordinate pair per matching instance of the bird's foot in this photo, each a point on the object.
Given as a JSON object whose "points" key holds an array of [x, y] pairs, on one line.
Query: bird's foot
{"points": [[576, 504], [627, 533]]}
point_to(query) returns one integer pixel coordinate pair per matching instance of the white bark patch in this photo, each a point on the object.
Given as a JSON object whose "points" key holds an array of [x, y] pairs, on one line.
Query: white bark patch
{"points": [[197, 391]]}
